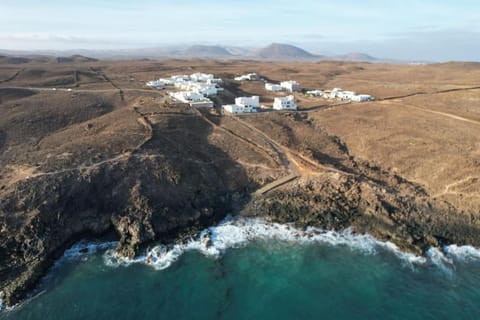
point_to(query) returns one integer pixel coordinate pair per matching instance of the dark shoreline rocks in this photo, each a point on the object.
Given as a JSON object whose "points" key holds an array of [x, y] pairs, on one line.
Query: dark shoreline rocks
{"points": [[414, 223], [330, 202]]}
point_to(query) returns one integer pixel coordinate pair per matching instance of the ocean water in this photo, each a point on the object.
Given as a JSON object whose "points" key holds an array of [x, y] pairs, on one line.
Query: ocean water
{"points": [[247, 269]]}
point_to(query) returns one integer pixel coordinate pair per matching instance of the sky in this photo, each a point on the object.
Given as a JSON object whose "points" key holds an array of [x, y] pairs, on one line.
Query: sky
{"points": [[431, 30]]}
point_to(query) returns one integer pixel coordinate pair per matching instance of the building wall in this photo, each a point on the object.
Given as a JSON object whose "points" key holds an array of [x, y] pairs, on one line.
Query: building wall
{"points": [[273, 87], [253, 101], [284, 103]]}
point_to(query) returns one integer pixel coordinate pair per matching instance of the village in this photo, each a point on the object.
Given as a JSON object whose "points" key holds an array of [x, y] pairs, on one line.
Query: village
{"points": [[199, 90]]}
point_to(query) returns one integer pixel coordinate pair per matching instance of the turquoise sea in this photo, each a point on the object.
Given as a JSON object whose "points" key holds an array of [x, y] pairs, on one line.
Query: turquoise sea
{"points": [[252, 271]]}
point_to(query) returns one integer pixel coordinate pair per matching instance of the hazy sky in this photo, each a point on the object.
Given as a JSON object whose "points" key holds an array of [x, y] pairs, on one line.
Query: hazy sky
{"points": [[403, 29]]}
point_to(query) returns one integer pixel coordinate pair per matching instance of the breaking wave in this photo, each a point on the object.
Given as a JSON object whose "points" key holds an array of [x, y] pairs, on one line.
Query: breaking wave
{"points": [[237, 232], [85, 248]]}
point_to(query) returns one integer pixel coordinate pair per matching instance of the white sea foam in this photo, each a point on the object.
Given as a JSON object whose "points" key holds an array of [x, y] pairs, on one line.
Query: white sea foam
{"points": [[238, 232], [234, 233], [462, 253], [84, 248], [446, 258], [439, 259]]}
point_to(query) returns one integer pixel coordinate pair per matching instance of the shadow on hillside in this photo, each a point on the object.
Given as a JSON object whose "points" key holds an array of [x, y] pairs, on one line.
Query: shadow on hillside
{"points": [[187, 178], [337, 163]]}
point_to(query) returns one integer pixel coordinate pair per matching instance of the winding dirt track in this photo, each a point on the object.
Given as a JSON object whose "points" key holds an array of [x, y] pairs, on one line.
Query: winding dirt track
{"points": [[444, 114], [454, 184], [288, 163]]}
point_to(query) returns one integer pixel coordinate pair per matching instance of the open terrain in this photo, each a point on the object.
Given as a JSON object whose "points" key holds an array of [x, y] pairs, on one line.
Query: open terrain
{"points": [[87, 150]]}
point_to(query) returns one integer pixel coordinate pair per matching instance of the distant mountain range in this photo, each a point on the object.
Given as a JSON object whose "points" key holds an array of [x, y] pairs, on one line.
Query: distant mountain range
{"points": [[75, 58], [279, 51], [272, 52], [199, 51]]}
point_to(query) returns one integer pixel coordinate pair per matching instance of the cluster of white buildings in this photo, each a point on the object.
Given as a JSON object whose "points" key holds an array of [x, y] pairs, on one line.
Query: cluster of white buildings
{"points": [[247, 77], [289, 85], [338, 93], [193, 89]]}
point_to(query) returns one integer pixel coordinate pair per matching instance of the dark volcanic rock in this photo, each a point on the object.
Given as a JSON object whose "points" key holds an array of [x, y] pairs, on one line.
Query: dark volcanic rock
{"points": [[411, 221], [148, 194], [140, 200]]}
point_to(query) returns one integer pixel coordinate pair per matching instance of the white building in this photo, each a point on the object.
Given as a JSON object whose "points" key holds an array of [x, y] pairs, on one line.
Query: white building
{"points": [[338, 93], [214, 81], [198, 87], [205, 89], [290, 85], [273, 87], [180, 77], [362, 98], [236, 109], [315, 93], [167, 81], [253, 101], [194, 99], [201, 77], [284, 103], [247, 77], [156, 83], [346, 95], [243, 105], [207, 103], [187, 96], [334, 92]]}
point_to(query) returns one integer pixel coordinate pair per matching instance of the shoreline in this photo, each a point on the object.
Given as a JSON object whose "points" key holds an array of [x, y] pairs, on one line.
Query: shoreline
{"points": [[238, 232]]}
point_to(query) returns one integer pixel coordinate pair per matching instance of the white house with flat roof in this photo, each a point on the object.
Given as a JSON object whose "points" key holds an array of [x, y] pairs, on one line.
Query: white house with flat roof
{"points": [[362, 98], [284, 103], [194, 99], [205, 89], [243, 105], [315, 93], [156, 84], [335, 92], [253, 101], [201, 77], [273, 87], [214, 81], [187, 96], [198, 87], [346, 95], [180, 77], [338, 93], [247, 77], [290, 85], [236, 109]]}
